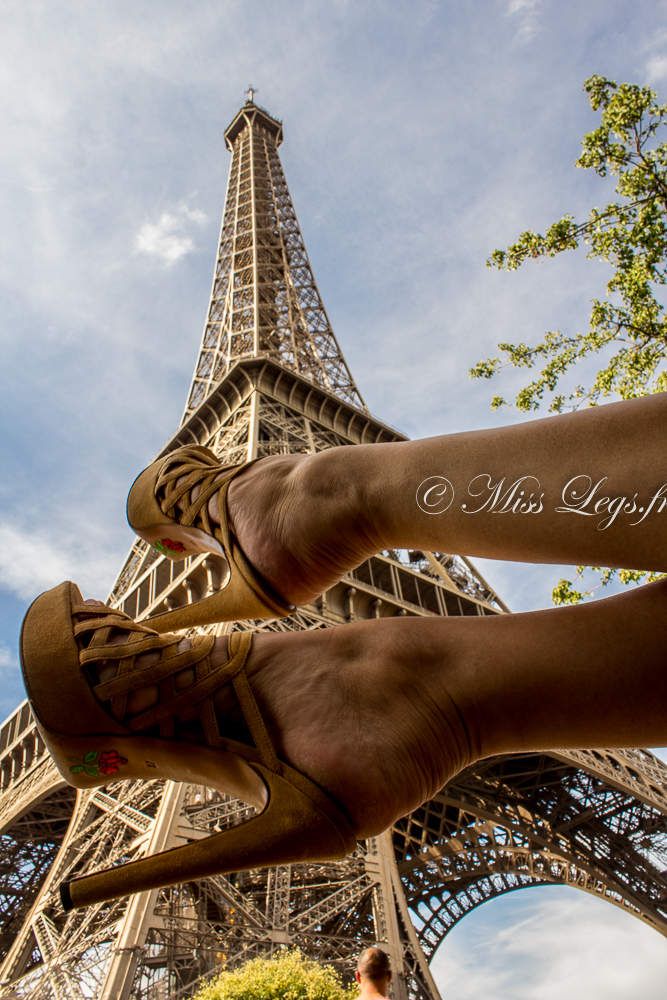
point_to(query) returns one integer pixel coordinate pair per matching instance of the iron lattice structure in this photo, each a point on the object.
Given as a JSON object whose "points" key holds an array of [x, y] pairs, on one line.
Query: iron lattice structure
{"points": [[270, 379]]}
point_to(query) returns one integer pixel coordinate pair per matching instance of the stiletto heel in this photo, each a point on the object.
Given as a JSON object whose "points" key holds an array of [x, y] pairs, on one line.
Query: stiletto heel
{"points": [[290, 829], [159, 509], [235, 602], [94, 738]]}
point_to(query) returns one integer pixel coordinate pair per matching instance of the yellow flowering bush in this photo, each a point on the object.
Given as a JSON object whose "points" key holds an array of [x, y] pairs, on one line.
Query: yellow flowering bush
{"points": [[288, 975]]}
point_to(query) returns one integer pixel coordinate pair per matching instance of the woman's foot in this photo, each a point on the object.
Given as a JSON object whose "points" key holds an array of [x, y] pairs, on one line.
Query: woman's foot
{"points": [[374, 712], [384, 691], [300, 520], [288, 527], [381, 714]]}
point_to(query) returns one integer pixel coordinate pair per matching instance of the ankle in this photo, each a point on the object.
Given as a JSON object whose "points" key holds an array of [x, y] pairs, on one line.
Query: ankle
{"points": [[336, 485], [258, 489]]}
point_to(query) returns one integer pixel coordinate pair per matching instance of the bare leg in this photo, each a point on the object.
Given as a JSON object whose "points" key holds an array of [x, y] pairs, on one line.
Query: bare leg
{"points": [[419, 699], [304, 520]]}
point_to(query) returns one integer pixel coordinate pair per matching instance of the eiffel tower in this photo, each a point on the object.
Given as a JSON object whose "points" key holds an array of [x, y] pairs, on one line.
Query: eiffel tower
{"points": [[271, 378]]}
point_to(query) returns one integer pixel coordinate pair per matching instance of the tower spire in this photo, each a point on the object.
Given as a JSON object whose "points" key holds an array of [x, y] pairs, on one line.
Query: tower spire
{"points": [[264, 299]]}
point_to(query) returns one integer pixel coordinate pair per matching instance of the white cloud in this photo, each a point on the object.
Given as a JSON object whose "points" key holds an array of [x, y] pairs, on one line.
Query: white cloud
{"points": [[527, 14], [7, 659], [11, 690], [32, 561], [656, 68], [553, 945], [168, 239]]}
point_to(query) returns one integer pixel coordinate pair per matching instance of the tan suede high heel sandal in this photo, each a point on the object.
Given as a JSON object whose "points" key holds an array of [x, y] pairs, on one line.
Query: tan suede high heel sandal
{"points": [[159, 509], [94, 738]]}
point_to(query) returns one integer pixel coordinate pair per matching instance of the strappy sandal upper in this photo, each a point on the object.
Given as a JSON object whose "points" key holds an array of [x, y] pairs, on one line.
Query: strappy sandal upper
{"points": [[93, 734], [161, 510], [182, 472]]}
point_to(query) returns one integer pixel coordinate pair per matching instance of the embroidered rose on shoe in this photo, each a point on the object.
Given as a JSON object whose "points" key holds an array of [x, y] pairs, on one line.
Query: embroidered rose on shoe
{"points": [[96, 762], [167, 545]]}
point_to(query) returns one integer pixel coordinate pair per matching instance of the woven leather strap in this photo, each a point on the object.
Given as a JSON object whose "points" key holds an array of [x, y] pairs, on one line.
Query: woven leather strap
{"points": [[134, 670], [193, 467]]}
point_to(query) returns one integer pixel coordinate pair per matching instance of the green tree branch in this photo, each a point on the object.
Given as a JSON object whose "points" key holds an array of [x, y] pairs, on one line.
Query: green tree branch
{"points": [[629, 234]]}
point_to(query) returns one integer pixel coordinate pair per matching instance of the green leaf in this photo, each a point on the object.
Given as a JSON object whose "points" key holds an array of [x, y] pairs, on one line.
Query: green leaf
{"points": [[627, 326]]}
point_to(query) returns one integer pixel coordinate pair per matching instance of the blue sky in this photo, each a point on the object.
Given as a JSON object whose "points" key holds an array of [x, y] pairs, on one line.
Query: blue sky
{"points": [[418, 137]]}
